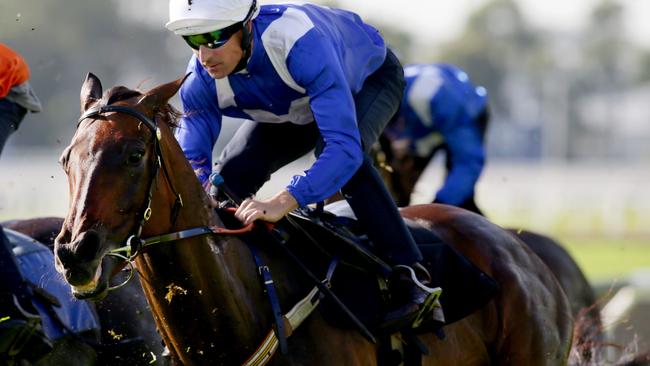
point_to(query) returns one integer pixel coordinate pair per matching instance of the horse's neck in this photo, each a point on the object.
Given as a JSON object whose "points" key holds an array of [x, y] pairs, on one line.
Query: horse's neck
{"points": [[204, 290]]}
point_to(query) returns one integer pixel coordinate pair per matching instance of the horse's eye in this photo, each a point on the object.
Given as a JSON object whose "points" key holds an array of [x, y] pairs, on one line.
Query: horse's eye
{"points": [[135, 158]]}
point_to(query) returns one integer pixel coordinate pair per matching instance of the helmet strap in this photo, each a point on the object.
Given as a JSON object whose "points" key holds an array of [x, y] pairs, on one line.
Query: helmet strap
{"points": [[246, 38]]}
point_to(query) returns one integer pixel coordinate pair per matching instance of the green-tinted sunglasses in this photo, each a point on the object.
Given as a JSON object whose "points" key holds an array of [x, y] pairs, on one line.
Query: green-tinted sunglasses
{"points": [[214, 39]]}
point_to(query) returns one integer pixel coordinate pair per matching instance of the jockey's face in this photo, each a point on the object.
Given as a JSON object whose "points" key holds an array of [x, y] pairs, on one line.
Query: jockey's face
{"points": [[221, 62]]}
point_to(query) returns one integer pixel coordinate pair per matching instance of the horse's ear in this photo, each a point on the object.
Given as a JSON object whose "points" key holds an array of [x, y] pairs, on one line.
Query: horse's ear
{"points": [[91, 91], [161, 94]]}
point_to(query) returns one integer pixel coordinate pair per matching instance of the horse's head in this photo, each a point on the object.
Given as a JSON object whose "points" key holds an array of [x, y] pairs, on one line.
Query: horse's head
{"points": [[111, 163]]}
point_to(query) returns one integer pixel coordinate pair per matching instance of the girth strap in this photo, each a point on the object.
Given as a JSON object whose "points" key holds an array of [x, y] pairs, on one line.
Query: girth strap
{"points": [[265, 273], [291, 321]]}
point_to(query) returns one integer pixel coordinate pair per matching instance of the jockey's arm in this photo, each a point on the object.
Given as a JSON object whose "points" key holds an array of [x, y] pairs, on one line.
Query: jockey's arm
{"points": [[467, 154], [201, 122]]}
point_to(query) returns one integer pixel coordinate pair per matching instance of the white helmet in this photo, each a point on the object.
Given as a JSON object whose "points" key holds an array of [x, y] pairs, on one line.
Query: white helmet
{"points": [[188, 17]]}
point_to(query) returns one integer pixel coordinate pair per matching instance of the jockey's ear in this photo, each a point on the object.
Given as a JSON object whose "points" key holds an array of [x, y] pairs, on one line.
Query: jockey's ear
{"points": [[91, 91], [160, 95]]}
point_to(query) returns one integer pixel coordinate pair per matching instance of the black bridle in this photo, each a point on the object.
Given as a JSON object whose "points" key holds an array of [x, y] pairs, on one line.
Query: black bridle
{"points": [[135, 242]]}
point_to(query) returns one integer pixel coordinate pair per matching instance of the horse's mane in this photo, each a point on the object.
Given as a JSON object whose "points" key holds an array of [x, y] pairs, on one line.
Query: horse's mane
{"points": [[167, 113]]}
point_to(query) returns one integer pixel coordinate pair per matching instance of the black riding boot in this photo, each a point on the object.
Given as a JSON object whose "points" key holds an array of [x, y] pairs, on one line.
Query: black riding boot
{"points": [[377, 213]]}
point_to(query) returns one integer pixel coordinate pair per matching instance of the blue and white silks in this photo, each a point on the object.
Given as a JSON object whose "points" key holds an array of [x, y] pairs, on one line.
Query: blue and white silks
{"points": [[307, 63], [440, 100]]}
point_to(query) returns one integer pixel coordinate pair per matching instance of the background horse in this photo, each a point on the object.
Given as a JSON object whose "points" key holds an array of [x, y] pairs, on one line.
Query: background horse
{"points": [[125, 317], [42, 229], [204, 290]]}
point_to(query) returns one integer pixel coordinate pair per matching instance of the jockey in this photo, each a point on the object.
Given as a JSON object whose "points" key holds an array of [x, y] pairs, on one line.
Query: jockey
{"points": [[16, 95], [442, 106], [303, 77]]}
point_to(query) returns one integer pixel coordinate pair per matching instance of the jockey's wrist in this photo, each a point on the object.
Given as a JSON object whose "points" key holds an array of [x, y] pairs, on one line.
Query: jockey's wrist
{"points": [[286, 200]]}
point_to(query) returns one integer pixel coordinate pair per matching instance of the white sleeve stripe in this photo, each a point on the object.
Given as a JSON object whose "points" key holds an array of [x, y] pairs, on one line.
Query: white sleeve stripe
{"points": [[424, 87], [279, 38], [225, 94]]}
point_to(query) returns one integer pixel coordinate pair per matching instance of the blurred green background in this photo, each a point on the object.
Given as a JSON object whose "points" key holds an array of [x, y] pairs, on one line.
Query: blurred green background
{"points": [[603, 260]]}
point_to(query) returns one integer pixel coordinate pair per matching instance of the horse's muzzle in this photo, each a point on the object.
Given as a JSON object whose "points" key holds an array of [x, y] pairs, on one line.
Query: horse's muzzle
{"points": [[79, 261]]}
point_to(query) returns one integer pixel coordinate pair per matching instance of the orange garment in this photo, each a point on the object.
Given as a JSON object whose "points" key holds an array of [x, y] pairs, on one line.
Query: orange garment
{"points": [[13, 70]]}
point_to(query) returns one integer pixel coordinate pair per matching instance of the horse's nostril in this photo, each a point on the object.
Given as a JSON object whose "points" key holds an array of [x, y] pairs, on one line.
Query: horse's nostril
{"points": [[63, 237], [78, 276], [88, 246], [68, 275], [65, 256]]}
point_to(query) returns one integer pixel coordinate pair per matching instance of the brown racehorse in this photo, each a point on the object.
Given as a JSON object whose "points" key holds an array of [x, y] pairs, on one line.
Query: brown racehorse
{"points": [[204, 290]]}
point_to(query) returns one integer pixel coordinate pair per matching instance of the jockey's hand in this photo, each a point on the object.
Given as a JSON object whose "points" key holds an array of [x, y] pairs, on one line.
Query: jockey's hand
{"points": [[270, 210]]}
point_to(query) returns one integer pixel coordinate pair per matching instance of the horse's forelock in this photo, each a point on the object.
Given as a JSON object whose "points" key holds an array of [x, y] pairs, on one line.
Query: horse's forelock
{"points": [[167, 113]]}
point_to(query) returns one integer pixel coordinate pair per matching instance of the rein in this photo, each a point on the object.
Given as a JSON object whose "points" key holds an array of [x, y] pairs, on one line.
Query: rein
{"points": [[131, 253]]}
